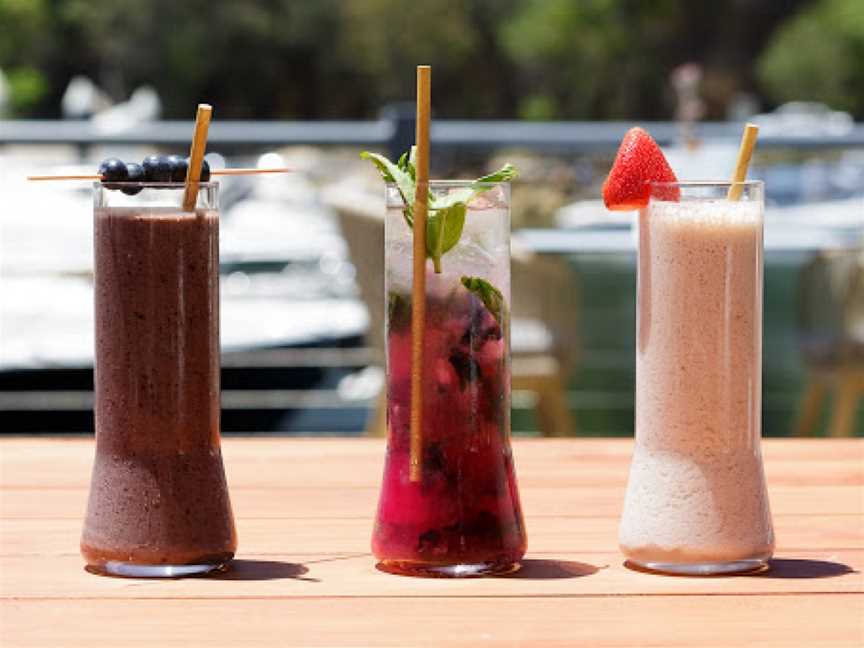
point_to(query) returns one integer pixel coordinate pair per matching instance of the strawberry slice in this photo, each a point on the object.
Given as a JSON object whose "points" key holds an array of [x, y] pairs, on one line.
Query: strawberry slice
{"points": [[639, 163]]}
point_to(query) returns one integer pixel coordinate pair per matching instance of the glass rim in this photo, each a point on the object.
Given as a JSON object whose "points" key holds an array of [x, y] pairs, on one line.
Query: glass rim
{"points": [[98, 184], [709, 183], [458, 183]]}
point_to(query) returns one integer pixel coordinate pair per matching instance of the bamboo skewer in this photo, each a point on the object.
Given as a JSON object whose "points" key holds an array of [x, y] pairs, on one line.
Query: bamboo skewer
{"points": [[745, 152], [243, 171], [215, 172], [196, 156], [418, 298]]}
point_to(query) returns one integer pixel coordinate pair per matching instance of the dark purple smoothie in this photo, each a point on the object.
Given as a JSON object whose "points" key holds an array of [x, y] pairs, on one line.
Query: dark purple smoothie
{"points": [[158, 493]]}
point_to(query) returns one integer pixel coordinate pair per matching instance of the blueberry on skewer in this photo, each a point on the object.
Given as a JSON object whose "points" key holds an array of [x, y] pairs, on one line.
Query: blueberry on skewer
{"points": [[178, 168], [157, 168], [112, 170], [134, 173]]}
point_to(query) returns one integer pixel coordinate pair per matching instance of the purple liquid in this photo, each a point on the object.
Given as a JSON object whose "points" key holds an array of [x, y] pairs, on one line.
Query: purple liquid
{"points": [[158, 493], [465, 510]]}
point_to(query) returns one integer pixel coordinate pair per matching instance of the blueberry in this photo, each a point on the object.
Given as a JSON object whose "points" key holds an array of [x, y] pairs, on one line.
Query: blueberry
{"points": [[466, 367], [157, 168], [205, 170], [178, 168], [134, 173], [112, 170], [429, 542]]}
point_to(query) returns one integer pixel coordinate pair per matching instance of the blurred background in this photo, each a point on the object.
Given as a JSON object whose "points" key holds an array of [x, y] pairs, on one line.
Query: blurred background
{"points": [[549, 85]]}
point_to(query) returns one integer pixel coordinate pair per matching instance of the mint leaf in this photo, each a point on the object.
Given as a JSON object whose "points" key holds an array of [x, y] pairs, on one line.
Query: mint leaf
{"points": [[491, 297], [402, 162], [443, 231], [446, 214], [504, 174], [398, 311], [401, 177]]}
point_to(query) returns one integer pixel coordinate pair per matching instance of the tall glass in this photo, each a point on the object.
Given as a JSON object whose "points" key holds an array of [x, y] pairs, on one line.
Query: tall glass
{"points": [[696, 500], [159, 501], [463, 517]]}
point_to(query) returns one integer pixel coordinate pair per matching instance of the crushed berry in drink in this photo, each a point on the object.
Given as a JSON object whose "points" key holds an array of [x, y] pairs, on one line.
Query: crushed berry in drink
{"points": [[465, 509]]}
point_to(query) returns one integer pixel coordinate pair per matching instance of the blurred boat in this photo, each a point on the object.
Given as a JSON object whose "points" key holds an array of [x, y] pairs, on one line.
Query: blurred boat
{"points": [[804, 119], [285, 277], [291, 323]]}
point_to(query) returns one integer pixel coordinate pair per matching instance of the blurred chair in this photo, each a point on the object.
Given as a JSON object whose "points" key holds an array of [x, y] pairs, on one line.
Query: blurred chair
{"points": [[543, 328], [361, 219], [544, 340], [831, 324]]}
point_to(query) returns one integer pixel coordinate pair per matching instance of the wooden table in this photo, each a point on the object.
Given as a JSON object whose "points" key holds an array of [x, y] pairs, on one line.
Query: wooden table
{"points": [[304, 575]]}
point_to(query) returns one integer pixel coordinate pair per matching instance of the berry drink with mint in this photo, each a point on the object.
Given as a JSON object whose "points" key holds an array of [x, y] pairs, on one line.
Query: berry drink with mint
{"points": [[462, 517]]}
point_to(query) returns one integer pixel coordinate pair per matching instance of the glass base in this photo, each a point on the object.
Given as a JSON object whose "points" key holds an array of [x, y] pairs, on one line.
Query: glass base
{"points": [[131, 570], [748, 566], [460, 570]]}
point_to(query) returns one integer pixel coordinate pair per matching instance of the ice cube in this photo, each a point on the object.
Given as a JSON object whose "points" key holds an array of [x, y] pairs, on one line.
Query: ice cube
{"points": [[494, 198]]}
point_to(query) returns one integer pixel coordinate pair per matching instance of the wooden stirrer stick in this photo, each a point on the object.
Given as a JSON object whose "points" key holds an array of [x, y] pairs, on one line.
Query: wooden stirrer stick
{"points": [[196, 156], [748, 143], [418, 288]]}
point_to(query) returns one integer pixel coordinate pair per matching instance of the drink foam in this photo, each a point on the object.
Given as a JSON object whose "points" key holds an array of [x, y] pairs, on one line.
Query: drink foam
{"points": [[712, 213]]}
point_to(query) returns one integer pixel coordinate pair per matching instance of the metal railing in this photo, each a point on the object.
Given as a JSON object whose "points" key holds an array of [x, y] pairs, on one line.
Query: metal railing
{"points": [[394, 132]]}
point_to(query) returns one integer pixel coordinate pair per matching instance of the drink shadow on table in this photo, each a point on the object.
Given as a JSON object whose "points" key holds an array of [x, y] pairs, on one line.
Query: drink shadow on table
{"points": [[789, 568], [245, 569], [242, 570], [542, 569], [801, 568]]}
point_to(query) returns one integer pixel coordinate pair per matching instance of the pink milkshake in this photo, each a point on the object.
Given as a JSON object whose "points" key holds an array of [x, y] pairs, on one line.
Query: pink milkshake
{"points": [[696, 500]]}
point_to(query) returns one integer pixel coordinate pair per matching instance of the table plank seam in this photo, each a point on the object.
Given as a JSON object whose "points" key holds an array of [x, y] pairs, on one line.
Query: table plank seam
{"points": [[782, 552], [349, 597], [24, 518]]}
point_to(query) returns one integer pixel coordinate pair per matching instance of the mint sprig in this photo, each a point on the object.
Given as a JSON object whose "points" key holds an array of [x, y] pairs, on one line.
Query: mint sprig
{"points": [[491, 297], [443, 231], [397, 174], [446, 214], [466, 195]]}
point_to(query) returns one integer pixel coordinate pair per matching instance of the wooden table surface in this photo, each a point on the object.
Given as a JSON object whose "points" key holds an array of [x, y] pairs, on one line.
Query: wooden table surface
{"points": [[304, 575]]}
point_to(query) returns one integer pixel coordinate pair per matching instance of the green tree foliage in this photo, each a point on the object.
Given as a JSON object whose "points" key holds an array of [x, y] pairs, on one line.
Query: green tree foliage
{"points": [[608, 59], [24, 38], [549, 59], [27, 86], [251, 59], [472, 75], [577, 56], [819, 55]]}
